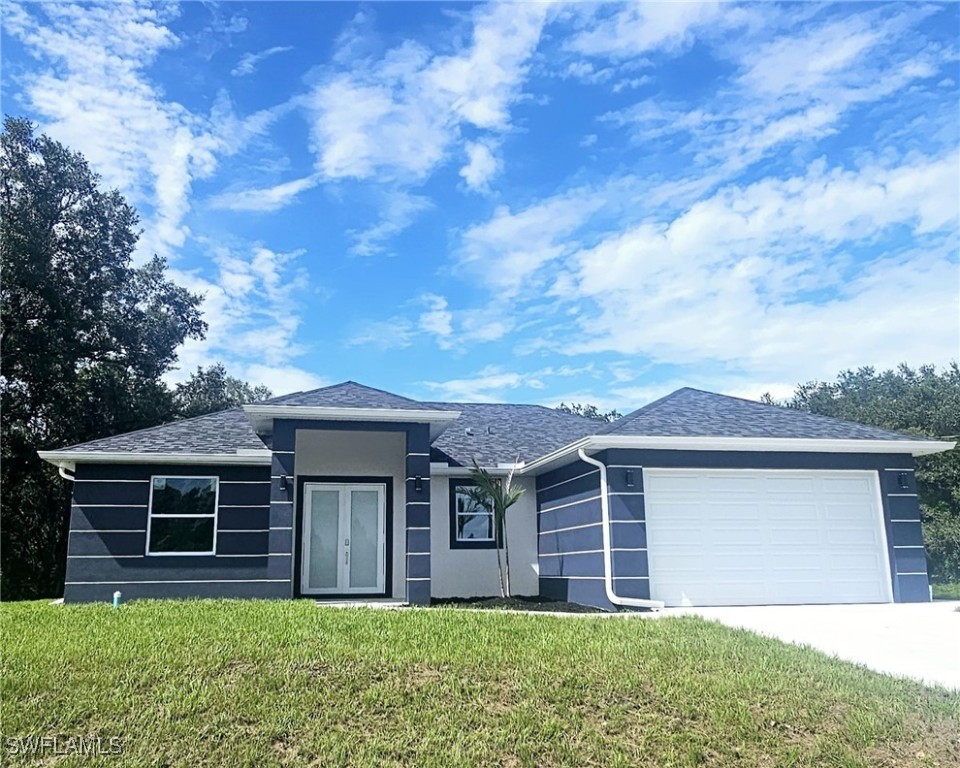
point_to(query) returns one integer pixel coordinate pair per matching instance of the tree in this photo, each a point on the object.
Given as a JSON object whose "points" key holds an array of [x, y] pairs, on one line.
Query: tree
{"points": [[921, 402], [85, 337], [211, 389], [496, 496], [590, 412]]}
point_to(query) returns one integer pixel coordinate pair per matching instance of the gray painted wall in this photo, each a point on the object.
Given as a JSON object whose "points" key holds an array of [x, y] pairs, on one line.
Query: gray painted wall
{"points": [[107, 543], [570, 529]]}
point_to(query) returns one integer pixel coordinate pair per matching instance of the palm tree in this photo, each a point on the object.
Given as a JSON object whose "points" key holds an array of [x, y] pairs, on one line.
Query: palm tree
{"points": [[496, 496]]}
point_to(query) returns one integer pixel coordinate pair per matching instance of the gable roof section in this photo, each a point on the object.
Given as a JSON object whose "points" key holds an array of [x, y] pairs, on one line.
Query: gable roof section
{"points": [[224, 432], [350, 394], [500, 433], [695, 413]]}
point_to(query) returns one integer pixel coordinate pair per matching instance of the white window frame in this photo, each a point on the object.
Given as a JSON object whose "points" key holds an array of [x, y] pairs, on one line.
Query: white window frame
{"points": [[457, 514], [216, 509]]}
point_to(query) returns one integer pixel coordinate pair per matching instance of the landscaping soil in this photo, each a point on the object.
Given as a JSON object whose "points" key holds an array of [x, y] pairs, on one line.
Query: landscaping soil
{"points": [[516, 604]]}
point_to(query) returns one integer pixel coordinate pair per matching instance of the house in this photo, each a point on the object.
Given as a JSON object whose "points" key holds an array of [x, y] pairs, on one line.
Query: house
{"points": [[349, 491]]}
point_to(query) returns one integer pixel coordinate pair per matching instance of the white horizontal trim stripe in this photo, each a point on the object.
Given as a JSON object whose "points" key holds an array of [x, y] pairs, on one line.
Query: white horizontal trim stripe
{"points": [[260, 554], [894, 469], [418, 528], [901, 494], [562, 482], [108, 530], [631, 578], [71, 458], [279, 554], [905, 520], [281, 528], [908, 546], [112, 481], [418, 578], [98, 506], [421, 503], [624, 466], [103, 557], [417, 454], [571, 528], [577, 552], [243, 482], [289, 453], [244, 506], [625, 493], [191, 581], [281, 501], [418, 554], [628, 549], [569, 504], [913, 573], [243, 530], [620, 522]]}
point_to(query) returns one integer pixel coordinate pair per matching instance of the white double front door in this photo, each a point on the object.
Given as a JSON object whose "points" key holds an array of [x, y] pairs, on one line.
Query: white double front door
{"points": [[344, 539]]}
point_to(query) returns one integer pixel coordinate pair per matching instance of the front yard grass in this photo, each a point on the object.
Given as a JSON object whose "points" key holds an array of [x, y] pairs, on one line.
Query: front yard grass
{"points": [[946, 591], [287, 683]]}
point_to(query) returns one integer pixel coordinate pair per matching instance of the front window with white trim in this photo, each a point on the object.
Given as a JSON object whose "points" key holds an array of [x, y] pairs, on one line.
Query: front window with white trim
{"points": [[474, 523], [183, 515]]}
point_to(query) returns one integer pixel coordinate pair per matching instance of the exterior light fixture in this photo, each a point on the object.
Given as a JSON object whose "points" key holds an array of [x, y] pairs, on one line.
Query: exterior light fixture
{"points": [[628, 478], [283, 482], [418, 483], [902, 480]]}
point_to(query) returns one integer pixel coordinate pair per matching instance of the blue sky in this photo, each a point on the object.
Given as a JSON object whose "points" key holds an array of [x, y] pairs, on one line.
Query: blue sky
{"points": [[528, 202]]}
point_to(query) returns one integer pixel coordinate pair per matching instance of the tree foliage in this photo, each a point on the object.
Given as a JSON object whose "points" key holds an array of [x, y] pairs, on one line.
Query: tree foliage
{"points": [[589, 411], [496, 495], [84, 338], [210, 389], [918, 401]]}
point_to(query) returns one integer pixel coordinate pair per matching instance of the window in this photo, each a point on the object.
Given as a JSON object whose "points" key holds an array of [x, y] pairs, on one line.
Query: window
{"points": [[471, 525], [183, 516]]}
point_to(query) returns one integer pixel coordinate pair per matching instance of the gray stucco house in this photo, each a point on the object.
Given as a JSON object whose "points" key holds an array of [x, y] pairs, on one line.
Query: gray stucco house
{"points": [[349, 491]]}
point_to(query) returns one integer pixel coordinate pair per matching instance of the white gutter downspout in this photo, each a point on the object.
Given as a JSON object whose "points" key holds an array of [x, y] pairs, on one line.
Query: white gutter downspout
{"points": [[613, 597], [64, 475]]}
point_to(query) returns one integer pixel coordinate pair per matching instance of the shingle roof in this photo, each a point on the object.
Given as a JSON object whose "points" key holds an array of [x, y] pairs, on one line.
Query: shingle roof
{"points": [[349, 394], [694, 413], [221, 432], [503, 433]]}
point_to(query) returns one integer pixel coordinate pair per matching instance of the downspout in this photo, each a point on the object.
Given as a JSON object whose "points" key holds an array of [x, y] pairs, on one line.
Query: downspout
{"points": [[65, 476], [613, 597]]}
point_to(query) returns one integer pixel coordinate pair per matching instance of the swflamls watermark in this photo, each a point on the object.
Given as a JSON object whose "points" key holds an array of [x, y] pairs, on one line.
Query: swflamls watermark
{"points": [[40, 746]]}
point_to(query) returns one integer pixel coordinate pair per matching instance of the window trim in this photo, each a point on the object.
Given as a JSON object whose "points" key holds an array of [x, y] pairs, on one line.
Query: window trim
{"points": [[457, 543], [216, 510]]}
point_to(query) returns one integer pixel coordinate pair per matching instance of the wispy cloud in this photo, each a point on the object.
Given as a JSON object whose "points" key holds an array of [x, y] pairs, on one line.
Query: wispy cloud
{"points": [[482, 165], [250, 61], [396, 117], [398, 211], [264, 200]]}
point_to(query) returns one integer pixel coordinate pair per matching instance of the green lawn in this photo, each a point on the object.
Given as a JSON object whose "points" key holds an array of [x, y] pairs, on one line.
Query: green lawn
{"points": [[287, 683], [946, 591]]}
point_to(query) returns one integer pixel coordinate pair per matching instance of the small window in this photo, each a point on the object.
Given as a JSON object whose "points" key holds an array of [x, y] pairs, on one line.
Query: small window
{"points": [[183, 516], [471, 525]]}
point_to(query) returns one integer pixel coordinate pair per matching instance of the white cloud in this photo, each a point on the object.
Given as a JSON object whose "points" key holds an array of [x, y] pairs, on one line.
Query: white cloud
{"points": [[640, 27], [267, 199], [251, 309], [488, 385], [396, 117], [437, 320], [399, 210], [281, 379], [395, 333], [250, 61], [482, 165]]}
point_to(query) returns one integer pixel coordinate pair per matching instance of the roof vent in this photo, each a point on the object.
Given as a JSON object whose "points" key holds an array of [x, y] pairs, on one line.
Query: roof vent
{"points": [[489, 430], [468, 431]]}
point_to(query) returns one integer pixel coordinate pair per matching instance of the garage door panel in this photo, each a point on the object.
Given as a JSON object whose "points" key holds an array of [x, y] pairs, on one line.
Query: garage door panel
{"points": [[764, 537]]}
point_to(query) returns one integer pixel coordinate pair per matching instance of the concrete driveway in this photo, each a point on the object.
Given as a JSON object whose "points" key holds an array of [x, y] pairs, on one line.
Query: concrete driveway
{"points": [[915, 640]]}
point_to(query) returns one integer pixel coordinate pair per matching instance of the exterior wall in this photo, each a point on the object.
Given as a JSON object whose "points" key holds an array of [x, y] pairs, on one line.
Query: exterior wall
{"points": [[571, 565], [361, 454], [108, 539], [473, 572]]}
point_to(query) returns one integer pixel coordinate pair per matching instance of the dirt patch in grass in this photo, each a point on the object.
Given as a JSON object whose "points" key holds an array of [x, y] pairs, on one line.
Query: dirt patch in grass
{"points": [[516, 604]]}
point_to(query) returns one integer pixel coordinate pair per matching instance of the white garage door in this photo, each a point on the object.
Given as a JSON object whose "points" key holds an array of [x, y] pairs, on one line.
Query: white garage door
{"points": [[730, 537]]}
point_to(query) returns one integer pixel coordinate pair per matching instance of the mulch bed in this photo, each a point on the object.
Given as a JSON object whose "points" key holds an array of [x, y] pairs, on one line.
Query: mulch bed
{"points": [[516, 604]]}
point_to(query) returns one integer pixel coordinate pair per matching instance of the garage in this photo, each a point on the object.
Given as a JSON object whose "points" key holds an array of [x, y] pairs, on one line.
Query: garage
{"points": [[765, 537]]}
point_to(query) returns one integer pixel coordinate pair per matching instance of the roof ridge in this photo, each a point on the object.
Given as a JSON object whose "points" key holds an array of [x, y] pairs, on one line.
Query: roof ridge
{"points": [[342, 384], [636, 413]]}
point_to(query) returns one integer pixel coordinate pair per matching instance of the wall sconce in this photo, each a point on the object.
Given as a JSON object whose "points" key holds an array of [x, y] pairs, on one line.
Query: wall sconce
{"points": [[418, 483], [628, 478], [283, 482], [902, 480]]}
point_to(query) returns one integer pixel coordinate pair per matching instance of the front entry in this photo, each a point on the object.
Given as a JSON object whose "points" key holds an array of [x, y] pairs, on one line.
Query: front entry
{"points": [[344, 539]]}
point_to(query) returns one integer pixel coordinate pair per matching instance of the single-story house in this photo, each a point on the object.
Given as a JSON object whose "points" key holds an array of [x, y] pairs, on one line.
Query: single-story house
{"points": [[349, 491]]}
